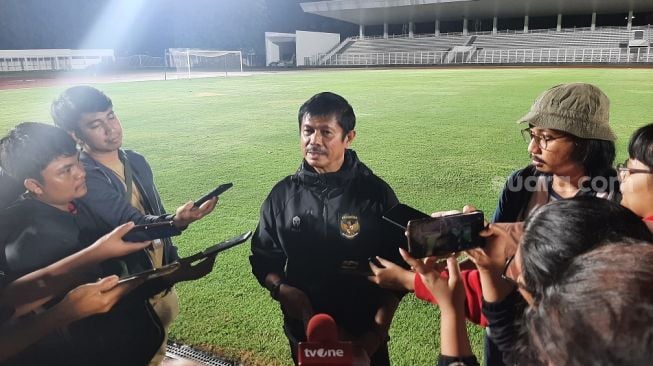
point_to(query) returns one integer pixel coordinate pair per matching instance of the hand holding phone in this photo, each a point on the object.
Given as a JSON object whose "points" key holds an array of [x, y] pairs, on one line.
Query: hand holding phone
{"points": [[200, 264], [439, 236], [189, 268], [214, 193], [215, 249], [149, 232], [151, 273]]}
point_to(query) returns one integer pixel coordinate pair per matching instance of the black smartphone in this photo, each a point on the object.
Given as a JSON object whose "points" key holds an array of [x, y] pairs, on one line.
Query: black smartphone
{"points": [[439, 236], [375, 262], [151, 273], [225, 245], [400, 214], [152, 231], [214, 193]]}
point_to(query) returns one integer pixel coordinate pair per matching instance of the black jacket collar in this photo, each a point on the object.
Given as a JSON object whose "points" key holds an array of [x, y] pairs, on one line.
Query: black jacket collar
{"points": [[351, 167]]}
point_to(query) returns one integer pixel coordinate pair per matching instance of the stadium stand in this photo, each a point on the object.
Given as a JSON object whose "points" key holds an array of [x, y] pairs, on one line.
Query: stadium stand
{"points": [[600, 31], [575, 45]]}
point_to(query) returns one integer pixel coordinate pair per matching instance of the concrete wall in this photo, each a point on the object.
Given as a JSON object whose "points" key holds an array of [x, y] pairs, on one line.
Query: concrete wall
{"points": [[311, 43], [278, 46], [52, 59], [271, 52]]}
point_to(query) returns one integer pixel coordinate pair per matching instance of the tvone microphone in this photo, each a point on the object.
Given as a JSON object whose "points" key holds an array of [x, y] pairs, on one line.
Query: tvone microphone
{"points": [[323, 347]]}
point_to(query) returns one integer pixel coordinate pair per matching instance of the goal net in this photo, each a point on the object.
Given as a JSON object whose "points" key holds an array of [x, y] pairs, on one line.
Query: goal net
{"points": [[194, 63]]}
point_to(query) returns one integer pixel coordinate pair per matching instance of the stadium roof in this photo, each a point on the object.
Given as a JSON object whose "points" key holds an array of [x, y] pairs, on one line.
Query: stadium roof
{"points": [[372, 12]]}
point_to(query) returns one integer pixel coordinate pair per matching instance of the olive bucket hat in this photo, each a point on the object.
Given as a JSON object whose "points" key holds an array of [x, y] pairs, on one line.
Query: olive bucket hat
{"points": [[579, 109]]}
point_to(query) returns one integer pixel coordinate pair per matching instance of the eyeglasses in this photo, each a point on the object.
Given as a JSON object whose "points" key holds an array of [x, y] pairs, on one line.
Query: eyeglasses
{"points": [[625, 171], [504, 274], [541, 141]]}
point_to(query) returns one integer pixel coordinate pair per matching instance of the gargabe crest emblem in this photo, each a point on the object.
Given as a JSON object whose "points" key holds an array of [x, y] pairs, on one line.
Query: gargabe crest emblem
{"points": [[349, 226]]}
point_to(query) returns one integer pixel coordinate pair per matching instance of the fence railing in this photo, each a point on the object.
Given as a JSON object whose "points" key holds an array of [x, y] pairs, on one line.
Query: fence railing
{"points": [[490, 56], [140, 61], [506, 31]]}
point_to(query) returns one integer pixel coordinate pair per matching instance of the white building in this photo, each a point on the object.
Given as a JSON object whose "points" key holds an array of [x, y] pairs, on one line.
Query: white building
{"points": [[52, 59]]}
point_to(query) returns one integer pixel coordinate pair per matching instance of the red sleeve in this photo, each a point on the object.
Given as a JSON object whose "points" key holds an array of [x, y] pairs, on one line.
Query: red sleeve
{"points": [[473, 295]]}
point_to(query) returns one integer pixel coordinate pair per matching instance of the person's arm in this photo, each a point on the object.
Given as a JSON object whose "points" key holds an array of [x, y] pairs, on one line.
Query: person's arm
{"points": [[293, 301], [502, 316], [502, 240], [398, 278], [108, 203], [189, 269], [371, 340], [81, 302], [451, 294], [65, 274], [268, 260], [392, 276]]}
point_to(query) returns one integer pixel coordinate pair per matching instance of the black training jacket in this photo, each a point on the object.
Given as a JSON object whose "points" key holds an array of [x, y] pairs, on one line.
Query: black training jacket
{"points": [[319, 231]]}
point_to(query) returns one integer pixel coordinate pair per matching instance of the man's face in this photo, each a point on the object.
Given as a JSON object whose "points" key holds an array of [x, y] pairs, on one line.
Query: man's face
{"points": [[64, 179], [518, 271], [556, 158], [100, 132], [322, 143], [637, 188]]}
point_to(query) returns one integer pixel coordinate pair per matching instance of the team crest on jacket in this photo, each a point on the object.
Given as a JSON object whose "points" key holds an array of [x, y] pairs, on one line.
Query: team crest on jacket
{"points": [[296, 223], [349, 226]]}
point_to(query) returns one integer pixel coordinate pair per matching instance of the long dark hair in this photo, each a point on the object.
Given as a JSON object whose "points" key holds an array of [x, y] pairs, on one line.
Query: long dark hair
{"points": [[597, 158], [562, 230], [600, 312]]}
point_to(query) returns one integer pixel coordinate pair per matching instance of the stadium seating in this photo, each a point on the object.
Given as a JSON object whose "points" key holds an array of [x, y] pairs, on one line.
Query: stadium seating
{"points": [[582, 45]]}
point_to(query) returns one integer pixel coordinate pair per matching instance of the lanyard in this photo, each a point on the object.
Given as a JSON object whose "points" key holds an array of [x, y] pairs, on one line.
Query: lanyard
{"points": [[128, 177]]}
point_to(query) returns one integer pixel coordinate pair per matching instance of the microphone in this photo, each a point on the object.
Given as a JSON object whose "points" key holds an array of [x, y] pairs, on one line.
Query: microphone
{"points": [[323, 348]]}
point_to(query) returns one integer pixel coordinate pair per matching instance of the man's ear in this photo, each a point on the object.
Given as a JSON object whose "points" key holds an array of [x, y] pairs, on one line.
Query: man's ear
{"points": [[33, 186], [350, 136], [78, 140]]}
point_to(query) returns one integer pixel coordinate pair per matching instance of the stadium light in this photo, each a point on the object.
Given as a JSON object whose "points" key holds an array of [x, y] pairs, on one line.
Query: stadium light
{"points": [[112, 25]]}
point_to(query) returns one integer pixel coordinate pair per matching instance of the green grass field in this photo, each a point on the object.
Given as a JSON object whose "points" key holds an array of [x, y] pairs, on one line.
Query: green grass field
{"points": [[441, 138]]}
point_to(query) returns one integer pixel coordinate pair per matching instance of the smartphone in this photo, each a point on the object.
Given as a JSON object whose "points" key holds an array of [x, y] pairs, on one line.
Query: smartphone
{"points": [[152, 231], [400, 214], [226, 244], [214, 193], [151, 274], [440, 236]]}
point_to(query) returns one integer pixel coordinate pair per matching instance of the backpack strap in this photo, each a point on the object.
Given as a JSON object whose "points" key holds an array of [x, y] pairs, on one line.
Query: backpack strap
{"points": [[129, 175]]}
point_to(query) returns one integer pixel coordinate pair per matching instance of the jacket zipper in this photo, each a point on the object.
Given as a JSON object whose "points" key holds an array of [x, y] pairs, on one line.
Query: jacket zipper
{"points": [[325, 213]]}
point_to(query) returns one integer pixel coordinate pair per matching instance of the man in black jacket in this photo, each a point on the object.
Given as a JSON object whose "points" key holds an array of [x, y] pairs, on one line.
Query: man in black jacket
{"points": [[319, 226]]}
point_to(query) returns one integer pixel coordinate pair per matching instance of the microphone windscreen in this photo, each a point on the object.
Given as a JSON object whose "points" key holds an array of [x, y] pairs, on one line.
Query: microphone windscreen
{"points": [[322, 328]]}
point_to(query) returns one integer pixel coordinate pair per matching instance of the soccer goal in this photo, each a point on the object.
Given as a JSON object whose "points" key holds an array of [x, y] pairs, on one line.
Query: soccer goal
{"points": [[194, 63]]}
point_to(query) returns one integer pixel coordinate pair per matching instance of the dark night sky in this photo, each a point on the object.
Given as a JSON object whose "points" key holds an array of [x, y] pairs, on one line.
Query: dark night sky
{"points": [[150, 26], [154, 25]]}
